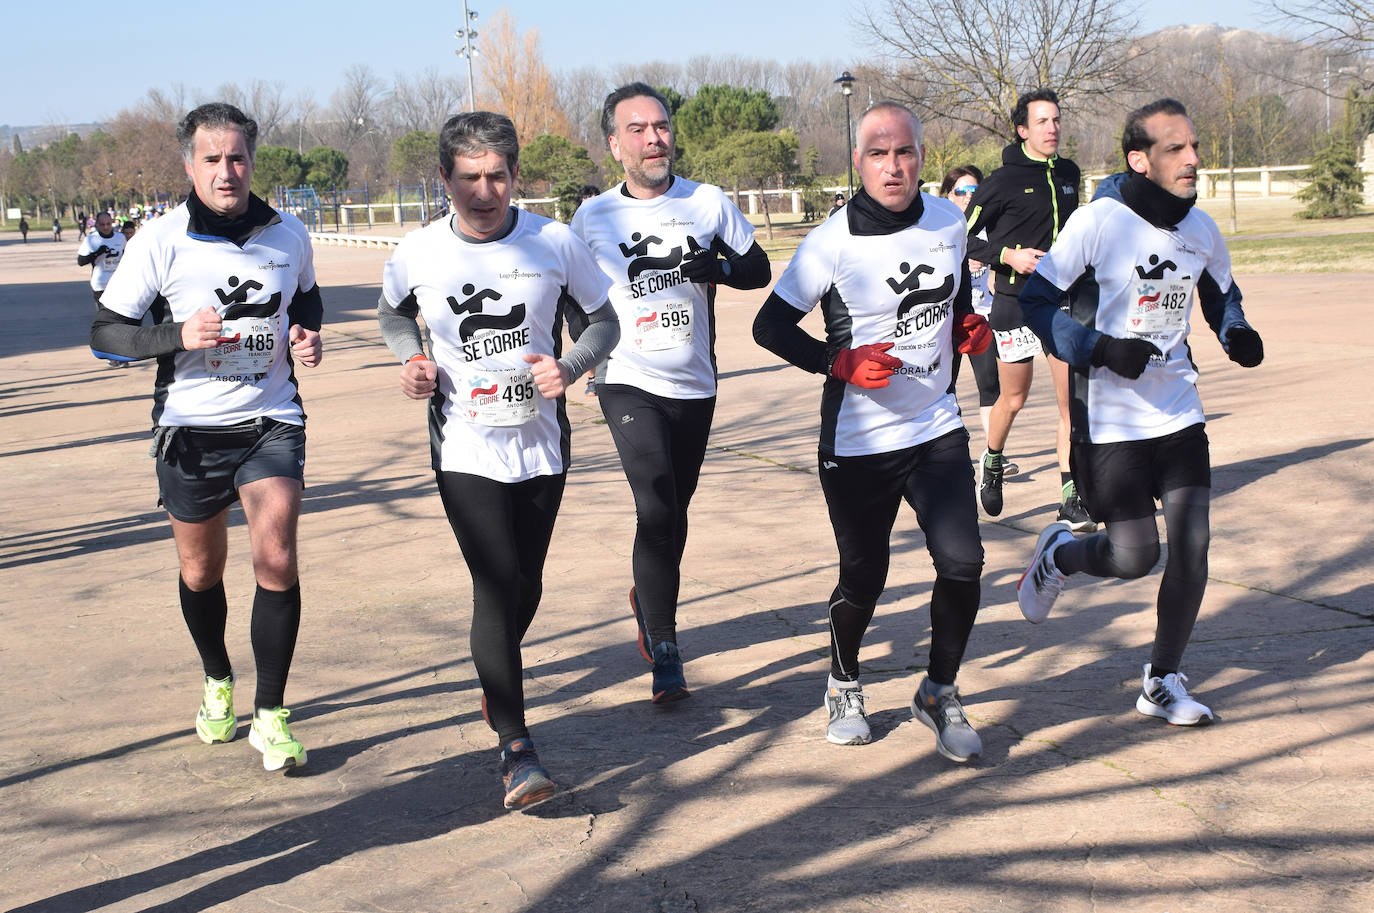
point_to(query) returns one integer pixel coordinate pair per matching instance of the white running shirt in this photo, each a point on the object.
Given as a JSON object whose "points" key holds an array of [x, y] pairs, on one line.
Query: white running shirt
{"points": [[1146, 276], [103, 267], [250, 287], [666, 322], [899, 288], [488, 304]]}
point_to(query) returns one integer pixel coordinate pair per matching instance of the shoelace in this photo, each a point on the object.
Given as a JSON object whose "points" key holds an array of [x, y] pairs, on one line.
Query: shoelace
{"points": [[851, 702], [218, 697], [275, 724], [1173, 685]]}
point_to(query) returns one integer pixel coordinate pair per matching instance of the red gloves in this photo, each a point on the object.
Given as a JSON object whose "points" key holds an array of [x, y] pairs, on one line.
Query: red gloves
{"points": [[973, 335], [867, 366]]}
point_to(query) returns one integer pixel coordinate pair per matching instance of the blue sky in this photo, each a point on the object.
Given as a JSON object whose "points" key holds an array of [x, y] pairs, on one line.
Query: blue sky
{"points": [[82, 64]]}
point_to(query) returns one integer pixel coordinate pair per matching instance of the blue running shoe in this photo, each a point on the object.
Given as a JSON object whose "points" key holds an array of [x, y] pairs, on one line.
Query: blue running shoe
{"points": [[669, 683], [524, 779]]}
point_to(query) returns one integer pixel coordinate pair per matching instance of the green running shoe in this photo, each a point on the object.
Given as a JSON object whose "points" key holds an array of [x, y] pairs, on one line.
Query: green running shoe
{"points": [[270, 736], [215, 720]]}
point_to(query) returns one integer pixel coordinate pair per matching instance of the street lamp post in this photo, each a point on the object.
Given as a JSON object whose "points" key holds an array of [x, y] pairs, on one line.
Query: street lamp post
{"points": [[466, 34], [846, 84]]}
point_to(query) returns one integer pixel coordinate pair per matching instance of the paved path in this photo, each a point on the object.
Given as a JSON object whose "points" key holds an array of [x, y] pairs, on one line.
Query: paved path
{"points": [[730, 801]]}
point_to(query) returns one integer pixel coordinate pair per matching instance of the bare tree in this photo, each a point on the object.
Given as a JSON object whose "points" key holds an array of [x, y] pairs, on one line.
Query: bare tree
{"points": [[969, 59], [360, 123], [303, 127], [425, 102], [263, 101], [170, 105], [581, 92], [356, 104], [1333, 23]]}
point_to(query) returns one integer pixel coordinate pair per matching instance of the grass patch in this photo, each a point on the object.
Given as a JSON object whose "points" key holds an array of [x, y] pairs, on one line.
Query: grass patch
{"points": [[1314, 253]]}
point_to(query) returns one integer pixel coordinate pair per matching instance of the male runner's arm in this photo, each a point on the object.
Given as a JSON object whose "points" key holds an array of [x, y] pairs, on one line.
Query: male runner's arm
{"points": [[116, 336], [983, 212], [1224, 315], [596, 342]]}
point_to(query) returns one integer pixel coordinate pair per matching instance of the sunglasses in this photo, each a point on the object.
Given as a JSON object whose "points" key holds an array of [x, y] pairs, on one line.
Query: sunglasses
{"points": [[965, 190]]}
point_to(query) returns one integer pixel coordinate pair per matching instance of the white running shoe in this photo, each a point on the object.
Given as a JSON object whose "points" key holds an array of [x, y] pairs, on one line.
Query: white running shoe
{"points": [[1168, 699], [1042, 582], [844, 702]]}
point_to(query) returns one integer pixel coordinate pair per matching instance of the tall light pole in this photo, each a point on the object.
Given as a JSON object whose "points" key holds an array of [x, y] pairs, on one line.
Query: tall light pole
{"points": [[846, 84], [466, 34]]}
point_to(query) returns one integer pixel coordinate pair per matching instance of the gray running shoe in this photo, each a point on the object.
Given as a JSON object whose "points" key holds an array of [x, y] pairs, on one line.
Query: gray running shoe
{"points": [[848, 725], [1168, 699], [938, 707], [990, 483], [1042, 582], [1072, 511]]}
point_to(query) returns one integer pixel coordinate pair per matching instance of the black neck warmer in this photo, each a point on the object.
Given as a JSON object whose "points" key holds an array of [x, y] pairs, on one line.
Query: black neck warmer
{"points": [[1153, 203], [206, 223], [869, 217]]}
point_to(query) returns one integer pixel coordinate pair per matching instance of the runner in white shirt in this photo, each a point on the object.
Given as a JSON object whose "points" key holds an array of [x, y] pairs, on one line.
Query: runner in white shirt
{"points": [[239, 280], [666, 243], [492, 283], [890, 275], [1138, 426], [100, 250]]}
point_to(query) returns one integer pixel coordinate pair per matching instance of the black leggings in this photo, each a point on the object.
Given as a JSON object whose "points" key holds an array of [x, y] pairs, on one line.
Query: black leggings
{"points": [[863, 494], [984, 375], [504, 530], [662, 443], [1128, 549]]}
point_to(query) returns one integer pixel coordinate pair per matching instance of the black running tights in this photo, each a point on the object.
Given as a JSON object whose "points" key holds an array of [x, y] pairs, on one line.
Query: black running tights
{"points": [[503, 530], [1129, 549], [662, 443]]}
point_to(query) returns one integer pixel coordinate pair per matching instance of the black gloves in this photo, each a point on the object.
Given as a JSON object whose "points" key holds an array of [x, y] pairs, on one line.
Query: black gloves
{"points": [[701, 264], [1127, 357], [1244, 346]]}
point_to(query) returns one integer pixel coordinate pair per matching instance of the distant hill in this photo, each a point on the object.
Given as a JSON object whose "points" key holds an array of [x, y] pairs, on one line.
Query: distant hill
{"points": [[32, 137]]}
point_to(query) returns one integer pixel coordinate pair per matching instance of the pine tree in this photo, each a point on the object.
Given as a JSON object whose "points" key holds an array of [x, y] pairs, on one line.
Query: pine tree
{"points": [[1336, 184]]}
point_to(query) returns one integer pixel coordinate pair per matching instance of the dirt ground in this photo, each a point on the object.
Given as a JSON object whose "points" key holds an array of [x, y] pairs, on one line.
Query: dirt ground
{"points": [[729, 801]]}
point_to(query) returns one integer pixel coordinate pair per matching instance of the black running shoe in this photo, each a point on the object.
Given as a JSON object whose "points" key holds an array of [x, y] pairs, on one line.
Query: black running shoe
{"points": [[990, 483], [1072, 511]]}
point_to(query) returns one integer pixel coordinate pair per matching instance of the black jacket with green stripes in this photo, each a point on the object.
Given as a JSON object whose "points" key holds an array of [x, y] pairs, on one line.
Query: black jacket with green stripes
{"points": [[1022, 204]]}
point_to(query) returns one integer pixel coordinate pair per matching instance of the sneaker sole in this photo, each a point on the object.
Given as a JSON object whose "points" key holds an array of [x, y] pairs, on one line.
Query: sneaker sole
{"points": [[531, 794], [857, 740], [670, 695], [281, 761], [1045, 535], [920, 714], [1080, 526], [1150, 708], [641, 633]]}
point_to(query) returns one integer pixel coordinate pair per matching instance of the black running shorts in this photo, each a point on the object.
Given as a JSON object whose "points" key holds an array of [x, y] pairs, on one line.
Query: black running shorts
{"points": [[200, 470], [1122, 481]]}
